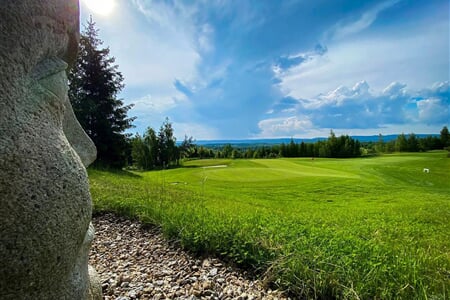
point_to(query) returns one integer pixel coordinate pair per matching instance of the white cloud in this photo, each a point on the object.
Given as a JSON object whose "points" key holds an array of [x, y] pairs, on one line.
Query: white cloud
{"points": [[197, 131], [432, 110], [157, 105], [153, 43], [441, 87], [359, 91], [205, 37], [151, 110], [395, 89], [291, 126], [156, 50], [343, 29]]}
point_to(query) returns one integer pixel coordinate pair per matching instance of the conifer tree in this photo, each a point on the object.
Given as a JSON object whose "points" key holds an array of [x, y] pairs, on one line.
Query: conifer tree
{"points": [[94, 84]]}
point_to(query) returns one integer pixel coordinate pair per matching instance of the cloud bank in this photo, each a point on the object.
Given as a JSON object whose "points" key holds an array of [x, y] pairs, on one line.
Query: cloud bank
{"points": [[359, 108]]}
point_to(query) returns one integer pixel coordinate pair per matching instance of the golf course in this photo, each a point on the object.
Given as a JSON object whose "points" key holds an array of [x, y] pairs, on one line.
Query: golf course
{"points": [[361, 228]]}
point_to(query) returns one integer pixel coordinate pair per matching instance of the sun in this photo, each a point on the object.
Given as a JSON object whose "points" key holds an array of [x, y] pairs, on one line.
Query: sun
{"points": [[101, 7]]}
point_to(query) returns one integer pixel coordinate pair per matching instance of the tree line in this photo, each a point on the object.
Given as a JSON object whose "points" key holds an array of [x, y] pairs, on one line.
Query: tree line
{"points": [[334, 147], [159, 150], [410, 143], [338, 147]]}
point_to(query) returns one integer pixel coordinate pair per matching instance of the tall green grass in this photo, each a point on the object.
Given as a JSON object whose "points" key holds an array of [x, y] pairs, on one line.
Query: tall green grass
{"points": [[374, 228]]}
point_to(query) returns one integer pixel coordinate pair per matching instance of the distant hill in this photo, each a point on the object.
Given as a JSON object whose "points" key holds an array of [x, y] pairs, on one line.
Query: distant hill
{"points": [[269, 142]]}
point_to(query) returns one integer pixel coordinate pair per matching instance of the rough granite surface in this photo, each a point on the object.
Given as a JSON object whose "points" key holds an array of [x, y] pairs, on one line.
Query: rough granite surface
{"points": [[45, 204]]}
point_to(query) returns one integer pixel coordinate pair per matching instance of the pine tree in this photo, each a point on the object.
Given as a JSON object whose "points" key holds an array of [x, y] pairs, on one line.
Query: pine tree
{"points": [[94, 84]]}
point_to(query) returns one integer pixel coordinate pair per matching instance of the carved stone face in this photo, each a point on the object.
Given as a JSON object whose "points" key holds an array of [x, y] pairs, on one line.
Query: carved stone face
{"points": [[45, 204]]}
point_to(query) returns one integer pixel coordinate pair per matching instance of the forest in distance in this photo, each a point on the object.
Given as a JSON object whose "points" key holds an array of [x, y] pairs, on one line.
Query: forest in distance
{"points": [[156, 150]]}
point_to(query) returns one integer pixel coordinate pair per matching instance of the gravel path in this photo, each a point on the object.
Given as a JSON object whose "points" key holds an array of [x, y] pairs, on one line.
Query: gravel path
{"points": [[136, 262]]}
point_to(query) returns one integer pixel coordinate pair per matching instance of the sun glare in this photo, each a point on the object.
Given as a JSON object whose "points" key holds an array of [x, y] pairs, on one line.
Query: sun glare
{"points": [[102, 7]]}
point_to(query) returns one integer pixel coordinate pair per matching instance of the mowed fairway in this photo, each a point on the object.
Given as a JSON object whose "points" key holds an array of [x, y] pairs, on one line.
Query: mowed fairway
{"points": [[339, 228]]}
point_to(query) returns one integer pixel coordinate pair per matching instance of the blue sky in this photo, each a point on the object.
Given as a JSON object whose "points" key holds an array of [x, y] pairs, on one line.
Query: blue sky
{"points": [[225, 69]]}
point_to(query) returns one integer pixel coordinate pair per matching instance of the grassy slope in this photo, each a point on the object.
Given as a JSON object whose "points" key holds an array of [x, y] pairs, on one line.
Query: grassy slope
{"points": [[368, 228]]}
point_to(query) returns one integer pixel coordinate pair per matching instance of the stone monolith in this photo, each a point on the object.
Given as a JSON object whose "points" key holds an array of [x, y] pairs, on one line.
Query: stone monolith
{"points": [[45, 204]]}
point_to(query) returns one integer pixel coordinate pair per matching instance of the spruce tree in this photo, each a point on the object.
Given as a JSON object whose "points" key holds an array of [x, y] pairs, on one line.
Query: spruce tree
{"points": [[94, 83]]}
